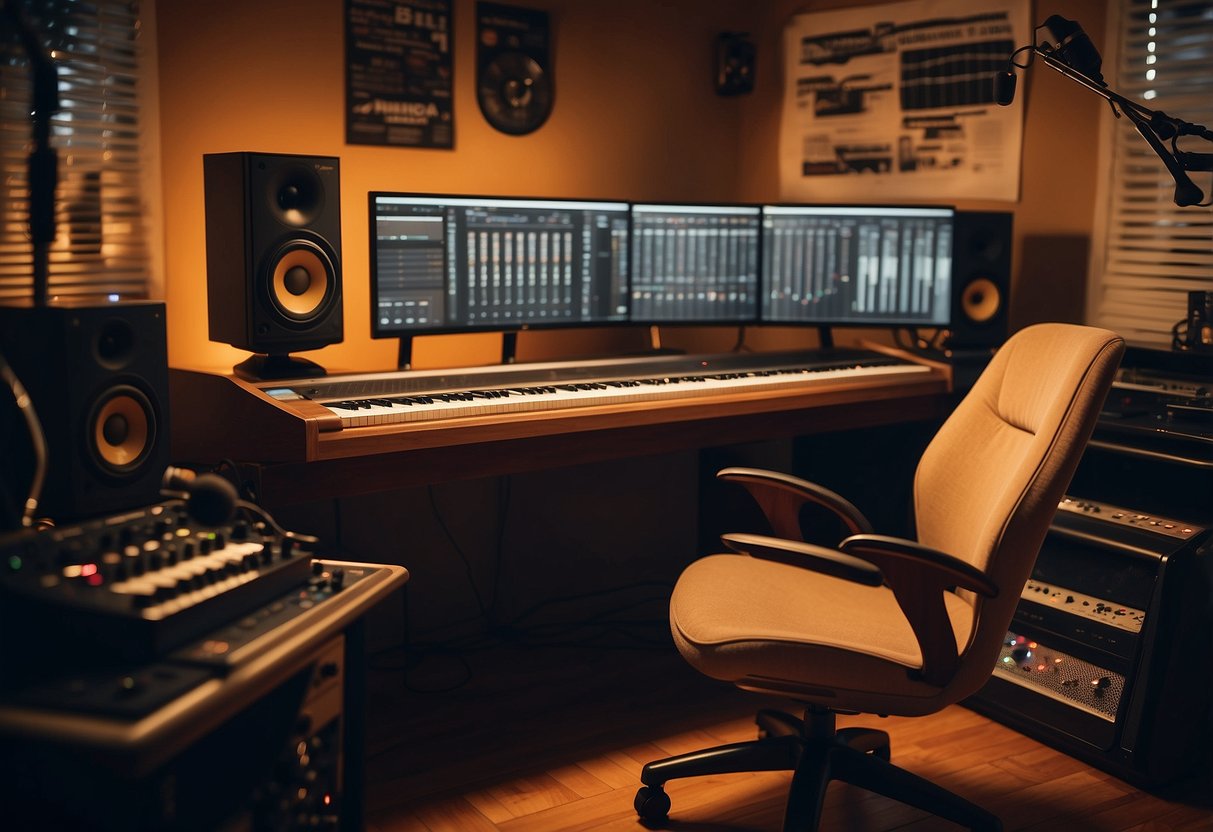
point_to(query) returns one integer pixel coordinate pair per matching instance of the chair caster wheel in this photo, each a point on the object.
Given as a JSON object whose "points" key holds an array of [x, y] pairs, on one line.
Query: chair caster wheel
{"points": [[652, 803]]}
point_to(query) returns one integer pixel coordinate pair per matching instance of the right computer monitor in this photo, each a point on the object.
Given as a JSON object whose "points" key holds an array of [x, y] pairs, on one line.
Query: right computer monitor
{"points": [[839, 265]]}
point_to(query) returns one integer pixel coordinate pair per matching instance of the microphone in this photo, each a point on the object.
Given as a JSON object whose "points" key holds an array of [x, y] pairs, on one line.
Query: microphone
{"points": [[1004, 88], [213, 501], [1074, 48]]}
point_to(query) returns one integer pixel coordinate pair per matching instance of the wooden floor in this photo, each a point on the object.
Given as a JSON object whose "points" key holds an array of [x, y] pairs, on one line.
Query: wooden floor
{"points": [[552, 739]]}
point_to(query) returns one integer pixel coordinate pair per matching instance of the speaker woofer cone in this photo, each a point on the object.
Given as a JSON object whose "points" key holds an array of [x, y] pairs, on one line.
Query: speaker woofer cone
{"points": [[981, 300], [121, 431], [302, 280]]}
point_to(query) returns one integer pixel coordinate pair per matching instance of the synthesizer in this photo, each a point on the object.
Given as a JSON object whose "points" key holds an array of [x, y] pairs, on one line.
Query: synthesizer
{"points": [[137, 584], [181, 667], [385, 398], [152, 595]]}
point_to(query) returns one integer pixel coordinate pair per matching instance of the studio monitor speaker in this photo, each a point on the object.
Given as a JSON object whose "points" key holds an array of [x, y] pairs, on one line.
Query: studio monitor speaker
{"points": [[981, 279], [273, 256], [97, 375]]}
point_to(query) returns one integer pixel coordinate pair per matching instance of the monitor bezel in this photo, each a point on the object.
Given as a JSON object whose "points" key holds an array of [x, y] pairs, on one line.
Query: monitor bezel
{"points": [[379, 334], [850, 323], [697, 322]]}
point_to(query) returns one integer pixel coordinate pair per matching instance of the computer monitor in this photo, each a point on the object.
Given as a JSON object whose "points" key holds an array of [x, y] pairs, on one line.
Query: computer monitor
{"points": [[694, 263], [461, 263], [863, 266]]}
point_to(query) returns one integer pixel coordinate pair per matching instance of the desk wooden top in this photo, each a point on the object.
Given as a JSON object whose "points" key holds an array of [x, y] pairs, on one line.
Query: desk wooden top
{"points": [[301, 452]]}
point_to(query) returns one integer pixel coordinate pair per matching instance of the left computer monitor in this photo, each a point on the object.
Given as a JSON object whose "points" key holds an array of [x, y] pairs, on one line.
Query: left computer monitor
{"points": [[695, 264], [460, 263]]}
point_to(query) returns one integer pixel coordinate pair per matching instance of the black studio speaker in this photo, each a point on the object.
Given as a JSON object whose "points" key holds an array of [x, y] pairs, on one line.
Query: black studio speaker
{"points": [[97, 375], [273, 257], [981, 279]]}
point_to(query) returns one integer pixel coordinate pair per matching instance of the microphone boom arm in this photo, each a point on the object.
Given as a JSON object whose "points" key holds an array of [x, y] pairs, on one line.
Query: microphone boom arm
{"points": [[1153, 125]]}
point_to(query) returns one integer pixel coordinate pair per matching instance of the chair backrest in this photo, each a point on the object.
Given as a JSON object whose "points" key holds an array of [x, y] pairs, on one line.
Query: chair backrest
{"points": [[988, 485]]}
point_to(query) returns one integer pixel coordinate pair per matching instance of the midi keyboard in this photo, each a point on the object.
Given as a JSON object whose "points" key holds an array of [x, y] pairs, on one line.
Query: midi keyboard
{"points": [[387, 398]]}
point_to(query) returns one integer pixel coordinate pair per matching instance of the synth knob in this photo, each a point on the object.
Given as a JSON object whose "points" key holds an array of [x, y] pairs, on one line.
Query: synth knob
{"points": [[128, 686], [337, 581]]}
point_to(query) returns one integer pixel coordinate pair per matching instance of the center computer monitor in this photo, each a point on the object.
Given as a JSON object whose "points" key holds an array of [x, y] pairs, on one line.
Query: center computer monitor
{"points": [[695, 263], [457, 264], [863, 266]]}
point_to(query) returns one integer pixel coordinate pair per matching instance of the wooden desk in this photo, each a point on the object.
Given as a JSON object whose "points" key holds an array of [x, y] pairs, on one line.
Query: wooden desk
{"points": [[293, 452]]}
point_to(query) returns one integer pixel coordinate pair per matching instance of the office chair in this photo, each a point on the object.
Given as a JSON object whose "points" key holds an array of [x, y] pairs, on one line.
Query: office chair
{"points": [[879, 624]]}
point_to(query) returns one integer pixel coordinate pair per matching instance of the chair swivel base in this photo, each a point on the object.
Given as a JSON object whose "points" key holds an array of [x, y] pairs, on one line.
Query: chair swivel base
{"points": [[817, 754]]}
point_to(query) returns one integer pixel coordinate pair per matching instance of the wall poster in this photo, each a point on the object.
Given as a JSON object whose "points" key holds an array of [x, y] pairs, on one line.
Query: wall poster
{"points": [[893, 102], [398, 74]]}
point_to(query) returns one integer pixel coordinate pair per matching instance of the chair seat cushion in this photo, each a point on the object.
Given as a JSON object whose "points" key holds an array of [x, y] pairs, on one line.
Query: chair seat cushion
{"points": [[770, 626]]}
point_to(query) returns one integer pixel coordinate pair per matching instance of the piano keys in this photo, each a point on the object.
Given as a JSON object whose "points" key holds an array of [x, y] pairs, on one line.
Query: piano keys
{"points": [[447, 404]]}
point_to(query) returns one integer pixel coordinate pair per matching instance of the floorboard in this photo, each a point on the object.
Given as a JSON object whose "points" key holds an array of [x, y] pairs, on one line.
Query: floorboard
{"points": [[519, 737]]}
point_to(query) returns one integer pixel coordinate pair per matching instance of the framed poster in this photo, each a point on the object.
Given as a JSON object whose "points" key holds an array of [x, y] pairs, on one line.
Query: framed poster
{"points": [[398, 73], [896, 102]]}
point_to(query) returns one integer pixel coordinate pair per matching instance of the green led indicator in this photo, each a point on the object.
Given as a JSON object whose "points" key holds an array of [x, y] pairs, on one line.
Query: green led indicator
{"points": [[14, 563]]}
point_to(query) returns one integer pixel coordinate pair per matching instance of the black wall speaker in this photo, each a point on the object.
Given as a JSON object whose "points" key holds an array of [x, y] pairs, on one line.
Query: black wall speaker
{"points": [[981, 279], [273, 256], [97, 375]]}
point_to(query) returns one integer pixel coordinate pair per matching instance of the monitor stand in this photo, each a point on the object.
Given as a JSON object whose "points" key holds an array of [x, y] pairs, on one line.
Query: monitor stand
{"points": [[655, 347], [509, 346], [404, 355], [259, 367], [826, 336]]}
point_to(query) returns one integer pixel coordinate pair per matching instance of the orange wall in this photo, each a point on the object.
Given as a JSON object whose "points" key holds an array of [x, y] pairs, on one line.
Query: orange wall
{"points": [[635, 117]]}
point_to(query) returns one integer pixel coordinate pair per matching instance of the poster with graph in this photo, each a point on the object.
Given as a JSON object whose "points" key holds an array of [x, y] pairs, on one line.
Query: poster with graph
{"points": [[896, 102]]}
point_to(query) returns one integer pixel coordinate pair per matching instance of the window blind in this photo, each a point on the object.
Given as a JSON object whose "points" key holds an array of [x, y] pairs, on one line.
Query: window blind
{"points": [[1155, 252], [101, 242]]}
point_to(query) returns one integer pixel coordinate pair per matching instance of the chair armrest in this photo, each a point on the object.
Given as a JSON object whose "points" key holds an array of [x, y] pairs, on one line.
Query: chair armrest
{"points": [[780, 497], [794, 553], [919, 576], [962, 573]]}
